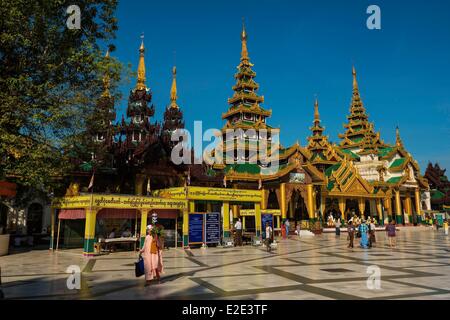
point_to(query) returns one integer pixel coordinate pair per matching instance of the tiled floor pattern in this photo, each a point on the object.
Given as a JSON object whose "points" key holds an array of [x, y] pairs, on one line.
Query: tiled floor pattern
{"points": [[311, 268]]}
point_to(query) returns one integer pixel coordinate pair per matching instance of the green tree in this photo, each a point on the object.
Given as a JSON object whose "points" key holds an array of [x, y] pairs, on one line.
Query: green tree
{"points": [[50, 78]]}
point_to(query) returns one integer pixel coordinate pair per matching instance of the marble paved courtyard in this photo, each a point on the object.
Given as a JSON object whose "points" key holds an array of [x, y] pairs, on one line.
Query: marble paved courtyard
{"points": [[309, 268]]}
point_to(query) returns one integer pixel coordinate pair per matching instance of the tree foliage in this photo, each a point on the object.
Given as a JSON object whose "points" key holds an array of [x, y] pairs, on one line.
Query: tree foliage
{"points": [[50, 79]]}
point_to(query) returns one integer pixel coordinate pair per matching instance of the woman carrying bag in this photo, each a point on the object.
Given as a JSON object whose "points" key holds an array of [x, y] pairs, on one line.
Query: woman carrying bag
{"points": [[151, 251]]}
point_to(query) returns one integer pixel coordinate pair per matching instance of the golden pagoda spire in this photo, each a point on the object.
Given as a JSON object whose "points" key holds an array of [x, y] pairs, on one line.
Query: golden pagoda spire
{"points": [[316, 111], [398, 140], [355, 82], [244, 53], [106, 80], [173, 90], [141, 67]]}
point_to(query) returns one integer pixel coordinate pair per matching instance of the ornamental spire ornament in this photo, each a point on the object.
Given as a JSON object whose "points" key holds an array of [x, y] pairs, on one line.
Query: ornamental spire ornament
{"points": [[355, 82], [173, 89], [316, 111], [244, 52], [141, 67]]}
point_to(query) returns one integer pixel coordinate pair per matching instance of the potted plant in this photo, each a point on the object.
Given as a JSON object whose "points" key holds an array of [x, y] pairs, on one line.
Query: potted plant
{"points": [[158, 231]]}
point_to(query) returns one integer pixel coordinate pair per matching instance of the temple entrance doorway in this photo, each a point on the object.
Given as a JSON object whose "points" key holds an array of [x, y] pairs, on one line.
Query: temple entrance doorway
{"points": [[272, 202], [300, 211], [352, 208]]}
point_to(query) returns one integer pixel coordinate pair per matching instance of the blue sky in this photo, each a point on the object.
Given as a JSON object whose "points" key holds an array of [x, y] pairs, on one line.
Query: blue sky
{"points": [[301, 48]]}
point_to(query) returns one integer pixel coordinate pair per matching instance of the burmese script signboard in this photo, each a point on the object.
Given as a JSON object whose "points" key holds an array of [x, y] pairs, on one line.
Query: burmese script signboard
{"points": [[196, 228], [212, 227], [251, 212], [118, 202], [214, 194], [222, 194]]}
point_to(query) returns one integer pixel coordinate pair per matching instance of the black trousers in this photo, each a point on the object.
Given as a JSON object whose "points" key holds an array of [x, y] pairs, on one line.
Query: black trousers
{"points": [[238, 238]]}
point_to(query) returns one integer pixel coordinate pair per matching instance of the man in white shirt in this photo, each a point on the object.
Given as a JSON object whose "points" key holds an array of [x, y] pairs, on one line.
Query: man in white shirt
{"points": [[268, 239], [238, 228]]}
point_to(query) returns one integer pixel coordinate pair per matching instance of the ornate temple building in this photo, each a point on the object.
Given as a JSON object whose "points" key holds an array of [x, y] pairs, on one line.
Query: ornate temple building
{"points": [[131, 176], [371, 176], [439, 187]]}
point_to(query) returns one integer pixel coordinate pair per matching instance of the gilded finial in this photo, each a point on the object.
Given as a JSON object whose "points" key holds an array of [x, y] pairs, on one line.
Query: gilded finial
{"points": [[244, 53], [173, 90], [355, 81], [141, 67], [316, 110], [244, 33], [142, 48]]}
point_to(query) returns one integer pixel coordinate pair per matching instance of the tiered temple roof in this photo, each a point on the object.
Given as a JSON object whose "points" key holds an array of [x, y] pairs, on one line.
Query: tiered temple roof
{"points": [[360, 134], [245, 110], [323, 154], [173, 117], [139, 132]]}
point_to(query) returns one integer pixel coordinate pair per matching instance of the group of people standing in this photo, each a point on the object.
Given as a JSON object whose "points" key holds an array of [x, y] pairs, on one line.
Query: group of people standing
{"points": [[366, 231]]}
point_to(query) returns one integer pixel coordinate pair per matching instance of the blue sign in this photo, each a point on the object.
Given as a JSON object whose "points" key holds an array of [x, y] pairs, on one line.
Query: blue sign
{"points": [[266, 218], [196, 228], [212, 228]]}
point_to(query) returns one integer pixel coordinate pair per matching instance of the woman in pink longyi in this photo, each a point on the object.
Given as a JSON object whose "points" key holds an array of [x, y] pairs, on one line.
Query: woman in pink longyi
{"points": [[151, 252]]}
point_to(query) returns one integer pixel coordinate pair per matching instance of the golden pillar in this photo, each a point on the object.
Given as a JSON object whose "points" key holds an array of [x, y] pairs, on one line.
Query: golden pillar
{"points": [[258, 219], [226, 219], [235, 209], [398, 207], [310, 200], [89, 232], [283, 200], [408, 204], [387, 205], [341, 202], [278, 222], [186, 226], [417, 201], [263, 201], [191, 206], [379, 210], [361, 206], [144, 215], [243, 223]]}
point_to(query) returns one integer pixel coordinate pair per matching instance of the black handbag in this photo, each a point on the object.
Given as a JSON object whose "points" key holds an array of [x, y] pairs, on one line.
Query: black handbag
{"points": [[139, 267]]}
